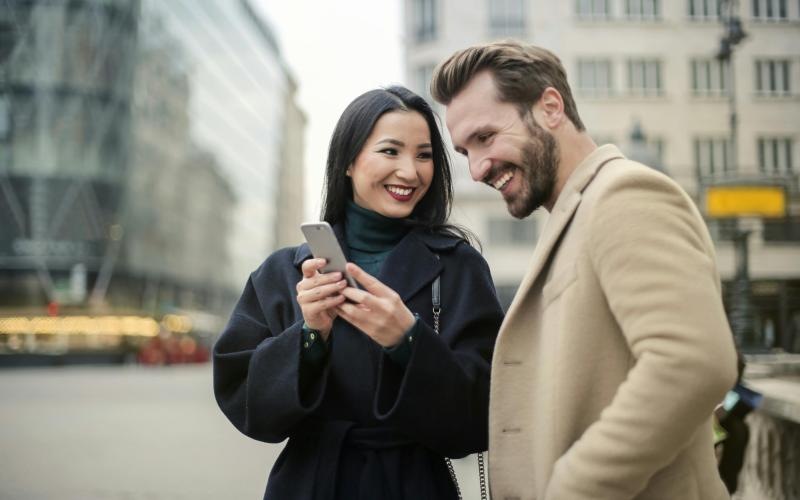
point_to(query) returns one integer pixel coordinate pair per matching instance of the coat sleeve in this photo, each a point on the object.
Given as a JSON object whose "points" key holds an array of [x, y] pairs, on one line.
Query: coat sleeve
{"points": [[656, 266], [258, 380], [441, 397]]}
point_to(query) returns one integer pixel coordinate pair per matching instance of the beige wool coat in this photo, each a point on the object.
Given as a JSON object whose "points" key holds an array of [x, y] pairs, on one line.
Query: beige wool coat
{"points": [[616, 348]]}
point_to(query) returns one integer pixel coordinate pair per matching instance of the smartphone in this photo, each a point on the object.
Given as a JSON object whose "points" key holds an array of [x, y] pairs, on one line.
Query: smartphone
{"points": [[324, 245]]}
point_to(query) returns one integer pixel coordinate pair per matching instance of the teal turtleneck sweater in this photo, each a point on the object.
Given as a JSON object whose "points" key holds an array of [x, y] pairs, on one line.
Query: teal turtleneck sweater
{"points": [[371, 236]]}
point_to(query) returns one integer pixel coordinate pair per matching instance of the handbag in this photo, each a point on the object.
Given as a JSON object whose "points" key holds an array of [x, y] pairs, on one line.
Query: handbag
{"points": [[437, 310]]}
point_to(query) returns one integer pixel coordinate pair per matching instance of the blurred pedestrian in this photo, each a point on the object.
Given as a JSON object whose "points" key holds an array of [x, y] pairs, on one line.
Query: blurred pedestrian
{"points": [[738, 403], [369, 394], [616, 348]]}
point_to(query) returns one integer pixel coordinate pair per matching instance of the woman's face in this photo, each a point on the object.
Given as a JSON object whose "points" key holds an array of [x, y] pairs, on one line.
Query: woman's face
{"points": [[394, 169]]}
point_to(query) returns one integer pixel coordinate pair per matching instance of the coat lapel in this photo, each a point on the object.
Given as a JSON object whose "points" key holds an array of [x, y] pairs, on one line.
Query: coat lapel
{"points": [[411, 266], [565, 207]]}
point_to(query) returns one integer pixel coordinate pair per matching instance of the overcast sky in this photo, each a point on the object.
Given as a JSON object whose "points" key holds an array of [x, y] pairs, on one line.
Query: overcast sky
{"points": [[336, 50]]}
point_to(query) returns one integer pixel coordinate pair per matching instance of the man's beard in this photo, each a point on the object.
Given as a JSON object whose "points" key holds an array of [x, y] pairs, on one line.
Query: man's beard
{"points": [[539, 171]]}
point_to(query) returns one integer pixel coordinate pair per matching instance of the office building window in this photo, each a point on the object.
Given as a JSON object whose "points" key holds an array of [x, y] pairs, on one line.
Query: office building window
{"points": [[8, 35], [709, 77], [773, 77], [704, 10], [594, 76], [505, 231], [506, 18], [424, 20], [785, 230], [644, 77], [722, 229], [423, 81], [775, 155], [769, 10], [593, 9], [646, 10], [5, 118], [712, 156], [656, 145]]}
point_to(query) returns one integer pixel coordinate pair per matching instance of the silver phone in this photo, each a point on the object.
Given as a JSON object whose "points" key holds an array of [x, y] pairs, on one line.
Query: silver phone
{"points": [[324, 245]]}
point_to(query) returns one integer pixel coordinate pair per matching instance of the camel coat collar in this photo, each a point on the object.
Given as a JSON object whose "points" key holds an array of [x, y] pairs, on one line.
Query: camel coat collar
{"points": [[566, 204]]}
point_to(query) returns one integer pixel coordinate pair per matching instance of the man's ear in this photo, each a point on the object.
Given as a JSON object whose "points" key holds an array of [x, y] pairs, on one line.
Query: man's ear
{"points": [[550, 108]]}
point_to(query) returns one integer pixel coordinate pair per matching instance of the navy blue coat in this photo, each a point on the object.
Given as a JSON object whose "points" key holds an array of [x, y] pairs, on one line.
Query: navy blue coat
{"points": [[362, 426]]}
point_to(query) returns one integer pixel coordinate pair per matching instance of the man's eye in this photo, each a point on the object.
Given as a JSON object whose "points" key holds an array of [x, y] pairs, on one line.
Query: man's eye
{"points": [[484, 137]]}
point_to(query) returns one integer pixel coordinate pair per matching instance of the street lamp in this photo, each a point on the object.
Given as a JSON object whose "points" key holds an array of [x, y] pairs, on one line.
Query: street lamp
{"points": [[741, 308], [734, 35], [638, 149]]}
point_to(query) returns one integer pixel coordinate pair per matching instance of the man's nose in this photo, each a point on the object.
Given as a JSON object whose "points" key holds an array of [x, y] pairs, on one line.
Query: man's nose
{"points": [[478, 168]]}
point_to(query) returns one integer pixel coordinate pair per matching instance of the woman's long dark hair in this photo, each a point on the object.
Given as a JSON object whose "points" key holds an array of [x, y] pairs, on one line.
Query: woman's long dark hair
{"points": [[351, 132]]}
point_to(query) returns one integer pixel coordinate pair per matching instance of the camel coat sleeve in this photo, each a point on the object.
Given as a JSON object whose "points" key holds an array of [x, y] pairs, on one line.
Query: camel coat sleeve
{"points": [[655, 265]]}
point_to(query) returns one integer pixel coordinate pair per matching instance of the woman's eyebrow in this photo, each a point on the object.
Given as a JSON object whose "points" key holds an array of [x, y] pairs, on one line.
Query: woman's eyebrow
{"points": [[391, 141]]}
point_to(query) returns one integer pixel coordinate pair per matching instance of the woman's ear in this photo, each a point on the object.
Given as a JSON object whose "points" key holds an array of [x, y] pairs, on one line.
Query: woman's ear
{"points": [[349, 171]]}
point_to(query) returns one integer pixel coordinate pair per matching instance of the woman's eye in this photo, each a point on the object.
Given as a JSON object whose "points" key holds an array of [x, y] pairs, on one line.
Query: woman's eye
{"points": [[427, 155], [389, 151]]}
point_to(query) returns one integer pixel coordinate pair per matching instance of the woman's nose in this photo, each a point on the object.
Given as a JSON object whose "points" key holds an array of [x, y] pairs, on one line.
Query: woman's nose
{"points": [[407, 169]]}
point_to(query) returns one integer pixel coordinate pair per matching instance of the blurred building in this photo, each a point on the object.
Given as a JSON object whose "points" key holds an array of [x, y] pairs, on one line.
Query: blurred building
{"points": [[143, 147], [645, 70], [291, 192]]}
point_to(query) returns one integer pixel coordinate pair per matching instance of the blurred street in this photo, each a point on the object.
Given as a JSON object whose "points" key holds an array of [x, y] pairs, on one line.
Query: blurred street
{"points": [[123, 433], [129, 433]]}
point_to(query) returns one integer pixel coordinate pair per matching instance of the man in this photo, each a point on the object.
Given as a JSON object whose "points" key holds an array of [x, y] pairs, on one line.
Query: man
{"points": [[616, 347]]}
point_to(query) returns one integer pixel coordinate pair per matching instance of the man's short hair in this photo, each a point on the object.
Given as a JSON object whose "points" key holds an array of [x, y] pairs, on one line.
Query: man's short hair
{"points": [[521, 74]]}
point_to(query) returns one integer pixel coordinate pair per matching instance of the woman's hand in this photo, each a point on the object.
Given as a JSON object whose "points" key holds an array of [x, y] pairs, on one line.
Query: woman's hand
{"points": [[377, 310], [318, 295]]}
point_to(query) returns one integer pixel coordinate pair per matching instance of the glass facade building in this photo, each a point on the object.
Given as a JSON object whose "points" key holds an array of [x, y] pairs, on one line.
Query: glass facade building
{"points": [[143, 146]]}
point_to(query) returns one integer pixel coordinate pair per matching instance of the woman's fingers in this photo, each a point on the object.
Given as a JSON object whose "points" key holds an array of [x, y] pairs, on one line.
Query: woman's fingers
{"points": [[323, 305], [318, 280], [385, 334], [357, 315], [350, 313], [320, 292], [311, 266], [369, 282], [359, 296]]}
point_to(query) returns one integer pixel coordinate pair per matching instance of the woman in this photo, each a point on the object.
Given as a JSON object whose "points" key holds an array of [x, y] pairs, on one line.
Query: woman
{"points": [[369, 395]]}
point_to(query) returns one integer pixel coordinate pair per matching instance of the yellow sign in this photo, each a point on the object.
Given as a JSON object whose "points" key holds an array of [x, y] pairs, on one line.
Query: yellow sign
{"points": [[745, 201]]}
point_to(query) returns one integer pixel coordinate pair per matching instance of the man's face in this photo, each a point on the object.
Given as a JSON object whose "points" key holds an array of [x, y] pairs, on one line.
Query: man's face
{"points": [[512, 154]]}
